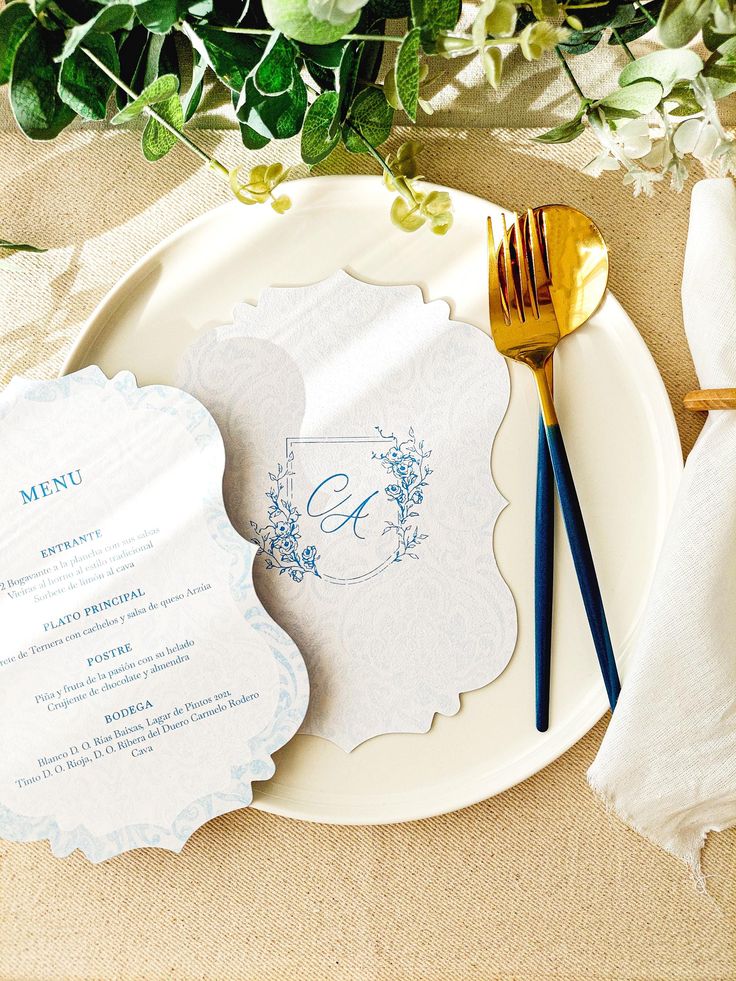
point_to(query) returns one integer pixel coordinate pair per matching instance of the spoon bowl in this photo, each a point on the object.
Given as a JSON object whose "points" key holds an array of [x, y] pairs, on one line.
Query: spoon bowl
{"points": [[576, 257]]}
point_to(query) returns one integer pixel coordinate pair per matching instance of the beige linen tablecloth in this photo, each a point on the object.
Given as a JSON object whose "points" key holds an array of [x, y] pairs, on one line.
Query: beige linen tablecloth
{"points": [[536, 883]]}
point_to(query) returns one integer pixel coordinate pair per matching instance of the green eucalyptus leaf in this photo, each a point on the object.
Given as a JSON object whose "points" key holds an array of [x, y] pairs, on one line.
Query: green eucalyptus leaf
{"points": [[345, 82], [565, 133], [624, 15], [635, 26], [34, 98], [15, 21], [294, 19], [7, 246], [114, 17], [194, 95], [434, 16], [666, 67], [83, 86], [680, 21], [275, 117], [274, 73], [372, 116], [251, 139], [638, 98], [160, 90], [324, 55], [318, 137], [682, 102], [231, 56], [157, 140], [407, 73], [581, 42], [324, 78], [633, 32], [613, 114], [158, 16]]}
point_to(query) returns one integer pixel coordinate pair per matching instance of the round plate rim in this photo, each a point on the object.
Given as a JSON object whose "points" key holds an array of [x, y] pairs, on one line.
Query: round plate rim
{"points": [[591, 709]]}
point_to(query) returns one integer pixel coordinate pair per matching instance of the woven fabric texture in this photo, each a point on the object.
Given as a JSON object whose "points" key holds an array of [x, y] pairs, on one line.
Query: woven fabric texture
{"points": [[538, 883]]}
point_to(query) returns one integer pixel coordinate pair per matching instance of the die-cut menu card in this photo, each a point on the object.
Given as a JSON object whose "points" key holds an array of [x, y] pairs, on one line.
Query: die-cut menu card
{"points": [[358, 424], [143, 687]]}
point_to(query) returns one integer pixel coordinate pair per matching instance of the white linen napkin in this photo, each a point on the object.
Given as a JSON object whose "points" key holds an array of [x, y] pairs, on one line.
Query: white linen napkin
{"points": [[667, 765]]}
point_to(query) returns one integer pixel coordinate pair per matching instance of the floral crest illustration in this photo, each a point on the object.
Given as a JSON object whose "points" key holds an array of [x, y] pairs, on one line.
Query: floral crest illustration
{"points": [[406, 463], [279, 540]]}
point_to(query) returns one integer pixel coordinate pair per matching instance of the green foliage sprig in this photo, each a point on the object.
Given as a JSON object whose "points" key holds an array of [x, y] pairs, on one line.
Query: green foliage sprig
{"points": [[313, 67], [663, 114]]}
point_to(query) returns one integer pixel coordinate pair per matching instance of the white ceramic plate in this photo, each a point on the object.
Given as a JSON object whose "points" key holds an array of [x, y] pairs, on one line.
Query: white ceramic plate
{"points": [[621, 439]]}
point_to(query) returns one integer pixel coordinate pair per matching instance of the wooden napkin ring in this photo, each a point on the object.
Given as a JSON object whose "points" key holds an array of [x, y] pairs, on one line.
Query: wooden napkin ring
{"points": [[710, 398]]}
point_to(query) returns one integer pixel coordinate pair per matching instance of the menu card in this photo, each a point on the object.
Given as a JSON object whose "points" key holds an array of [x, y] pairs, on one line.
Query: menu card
{"points": [[143, 687]]}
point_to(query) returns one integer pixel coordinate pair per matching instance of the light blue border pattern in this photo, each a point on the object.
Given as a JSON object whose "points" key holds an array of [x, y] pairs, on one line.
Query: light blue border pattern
{"points": [[293, 681]]}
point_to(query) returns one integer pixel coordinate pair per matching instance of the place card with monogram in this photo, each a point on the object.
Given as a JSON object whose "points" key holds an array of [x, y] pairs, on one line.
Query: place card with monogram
{"points": [[358, 423]]}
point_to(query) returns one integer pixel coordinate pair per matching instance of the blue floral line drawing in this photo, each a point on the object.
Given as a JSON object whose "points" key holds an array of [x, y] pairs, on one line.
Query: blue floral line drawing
{"points": [[406, 462], [279, 540]]}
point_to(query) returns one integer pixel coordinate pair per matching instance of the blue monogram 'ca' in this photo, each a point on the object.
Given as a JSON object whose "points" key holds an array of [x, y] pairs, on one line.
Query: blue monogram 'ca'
{"points": [[334, 507]]}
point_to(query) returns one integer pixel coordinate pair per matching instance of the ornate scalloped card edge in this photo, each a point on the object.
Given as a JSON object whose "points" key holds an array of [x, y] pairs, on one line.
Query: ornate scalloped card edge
{"points": [[358, 423], [145, 686]]}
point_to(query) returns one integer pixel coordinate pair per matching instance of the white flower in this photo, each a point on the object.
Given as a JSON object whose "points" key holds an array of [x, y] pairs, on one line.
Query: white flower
{"points": [[634, 137], [642, 181], [631, 140], [335, 11], [596, 166], [696, 136]]}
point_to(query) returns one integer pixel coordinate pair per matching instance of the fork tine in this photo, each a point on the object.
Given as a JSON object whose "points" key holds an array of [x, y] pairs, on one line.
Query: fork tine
{"points": [[533, 256], [535, 252], [496, 306], [512, 287], [524, 286]]}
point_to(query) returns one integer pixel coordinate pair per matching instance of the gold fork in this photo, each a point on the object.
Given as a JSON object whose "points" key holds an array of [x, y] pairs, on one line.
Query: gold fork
{"points": [[524, 328]]}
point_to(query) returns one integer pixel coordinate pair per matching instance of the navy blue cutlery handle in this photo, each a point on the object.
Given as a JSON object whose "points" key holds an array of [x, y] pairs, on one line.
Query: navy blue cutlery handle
{"points": [[544, 564], [583, 560]]}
